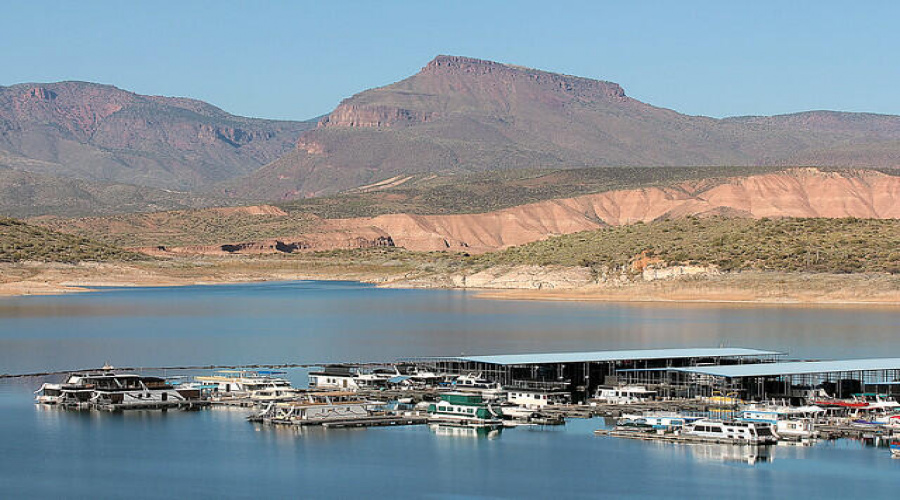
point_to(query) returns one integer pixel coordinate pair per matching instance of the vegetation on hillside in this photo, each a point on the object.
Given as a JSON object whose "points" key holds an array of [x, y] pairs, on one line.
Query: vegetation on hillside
{"points": [[20, 241], [495, 190], [183, 227], [792, 245]]}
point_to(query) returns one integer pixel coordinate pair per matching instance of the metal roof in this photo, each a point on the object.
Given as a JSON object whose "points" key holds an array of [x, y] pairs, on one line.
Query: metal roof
{"points": [[794, 367], [611, 356]]}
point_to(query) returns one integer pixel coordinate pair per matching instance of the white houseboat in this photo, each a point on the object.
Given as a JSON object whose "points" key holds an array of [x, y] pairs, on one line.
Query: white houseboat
{"points": [[626, 394], [475, 382], [732, 430], [315, 408], [788, 422], [110, 390], [246, 383], [663, 420], [537, 399]]}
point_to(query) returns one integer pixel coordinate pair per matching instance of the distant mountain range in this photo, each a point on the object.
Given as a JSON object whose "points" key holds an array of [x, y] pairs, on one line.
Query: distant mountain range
{"points": [[101, 133], [457, 115], [460, 115]]}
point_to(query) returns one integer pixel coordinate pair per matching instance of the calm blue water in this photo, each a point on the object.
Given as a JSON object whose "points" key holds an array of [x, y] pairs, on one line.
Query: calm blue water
{"points": [[46, 453]]}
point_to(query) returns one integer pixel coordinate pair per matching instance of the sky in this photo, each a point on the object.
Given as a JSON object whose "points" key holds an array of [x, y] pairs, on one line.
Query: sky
{"points": [[297, 60]]}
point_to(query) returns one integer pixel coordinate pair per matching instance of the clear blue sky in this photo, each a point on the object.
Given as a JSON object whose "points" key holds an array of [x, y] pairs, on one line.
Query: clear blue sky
{"points": [[298, 60]]}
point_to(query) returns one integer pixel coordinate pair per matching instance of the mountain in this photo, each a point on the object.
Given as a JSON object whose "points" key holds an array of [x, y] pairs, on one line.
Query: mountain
{"points": [[101, 133], [25, 194], [460, 114]]}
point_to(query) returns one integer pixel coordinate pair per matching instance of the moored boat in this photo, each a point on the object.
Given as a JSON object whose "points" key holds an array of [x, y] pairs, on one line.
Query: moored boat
{"points": [[626, 394], [788, 422], [463, 409], [317, 407], [261, 385], [655, 420], [118, 391], [732, 431]]}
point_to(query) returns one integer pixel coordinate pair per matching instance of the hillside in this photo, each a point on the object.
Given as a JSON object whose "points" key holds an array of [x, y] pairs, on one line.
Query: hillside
{"points": [[468, 115], [101, 133], [25, 194], [802, 193], [432, 194], [786, 245], [20, 241]]}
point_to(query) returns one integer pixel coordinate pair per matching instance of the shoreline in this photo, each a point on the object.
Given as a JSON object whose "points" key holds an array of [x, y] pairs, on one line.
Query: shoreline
{"points": [[575, 296], [741, 289]]}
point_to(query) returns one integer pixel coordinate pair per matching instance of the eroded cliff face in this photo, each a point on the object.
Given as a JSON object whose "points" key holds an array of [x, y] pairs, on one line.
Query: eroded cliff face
{"points": [[797, 193], [806, 192]]}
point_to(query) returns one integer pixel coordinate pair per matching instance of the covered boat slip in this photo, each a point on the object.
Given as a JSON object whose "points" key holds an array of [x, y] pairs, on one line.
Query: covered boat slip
{"points": [[796, 380], [580, 373]]}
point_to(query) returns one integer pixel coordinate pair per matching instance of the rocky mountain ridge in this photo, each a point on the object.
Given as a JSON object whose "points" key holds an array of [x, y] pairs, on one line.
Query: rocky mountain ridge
{"points": [[460, 114], [101, 133]]}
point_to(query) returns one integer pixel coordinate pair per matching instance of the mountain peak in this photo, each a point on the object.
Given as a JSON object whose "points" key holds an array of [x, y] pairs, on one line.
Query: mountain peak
{"points": [[461, 66]]}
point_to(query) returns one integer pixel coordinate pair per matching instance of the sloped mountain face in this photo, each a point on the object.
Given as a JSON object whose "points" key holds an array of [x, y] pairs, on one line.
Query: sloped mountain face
{"points": [[26, 194], [461, 114], [102, 133]]}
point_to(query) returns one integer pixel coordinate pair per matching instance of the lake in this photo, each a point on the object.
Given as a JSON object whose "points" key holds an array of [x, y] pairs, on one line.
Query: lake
{"points": [[47, 453]]}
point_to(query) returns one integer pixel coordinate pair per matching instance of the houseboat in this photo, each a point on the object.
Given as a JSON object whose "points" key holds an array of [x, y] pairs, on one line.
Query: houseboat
{"points": [[660, 420], [732, 430], [465, 409], [475, 382], [244, 383], [118, 391], [788, 422], [536, 399], [315, 408], [626, 394]]}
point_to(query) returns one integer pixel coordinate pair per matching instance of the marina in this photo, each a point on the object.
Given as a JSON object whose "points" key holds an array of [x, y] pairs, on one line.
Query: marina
{"points": [[212, 336], [722, 400]]}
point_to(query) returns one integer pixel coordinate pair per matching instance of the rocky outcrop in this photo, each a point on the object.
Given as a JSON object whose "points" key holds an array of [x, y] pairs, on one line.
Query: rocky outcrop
{"points": [[350, 115], [312, 242], [797, 193]]}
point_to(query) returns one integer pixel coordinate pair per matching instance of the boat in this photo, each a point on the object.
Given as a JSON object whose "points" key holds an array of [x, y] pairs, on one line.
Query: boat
{"points": [[275, 391], [317, 407], [668, 421], [895, 447], [535, 398], [788, 422], [466, 409], [475, 382], [876, 406], [732, 430], [110, 390], [626, 394], [264, 385]]}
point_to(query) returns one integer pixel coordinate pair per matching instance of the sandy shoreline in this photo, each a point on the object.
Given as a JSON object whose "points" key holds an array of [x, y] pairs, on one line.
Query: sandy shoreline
{"points": [[779, 289]]}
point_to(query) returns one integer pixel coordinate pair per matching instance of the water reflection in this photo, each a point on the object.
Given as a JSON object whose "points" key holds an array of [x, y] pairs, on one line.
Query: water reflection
{"points": [[731, 453], [312, 322], [457, 431]]}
